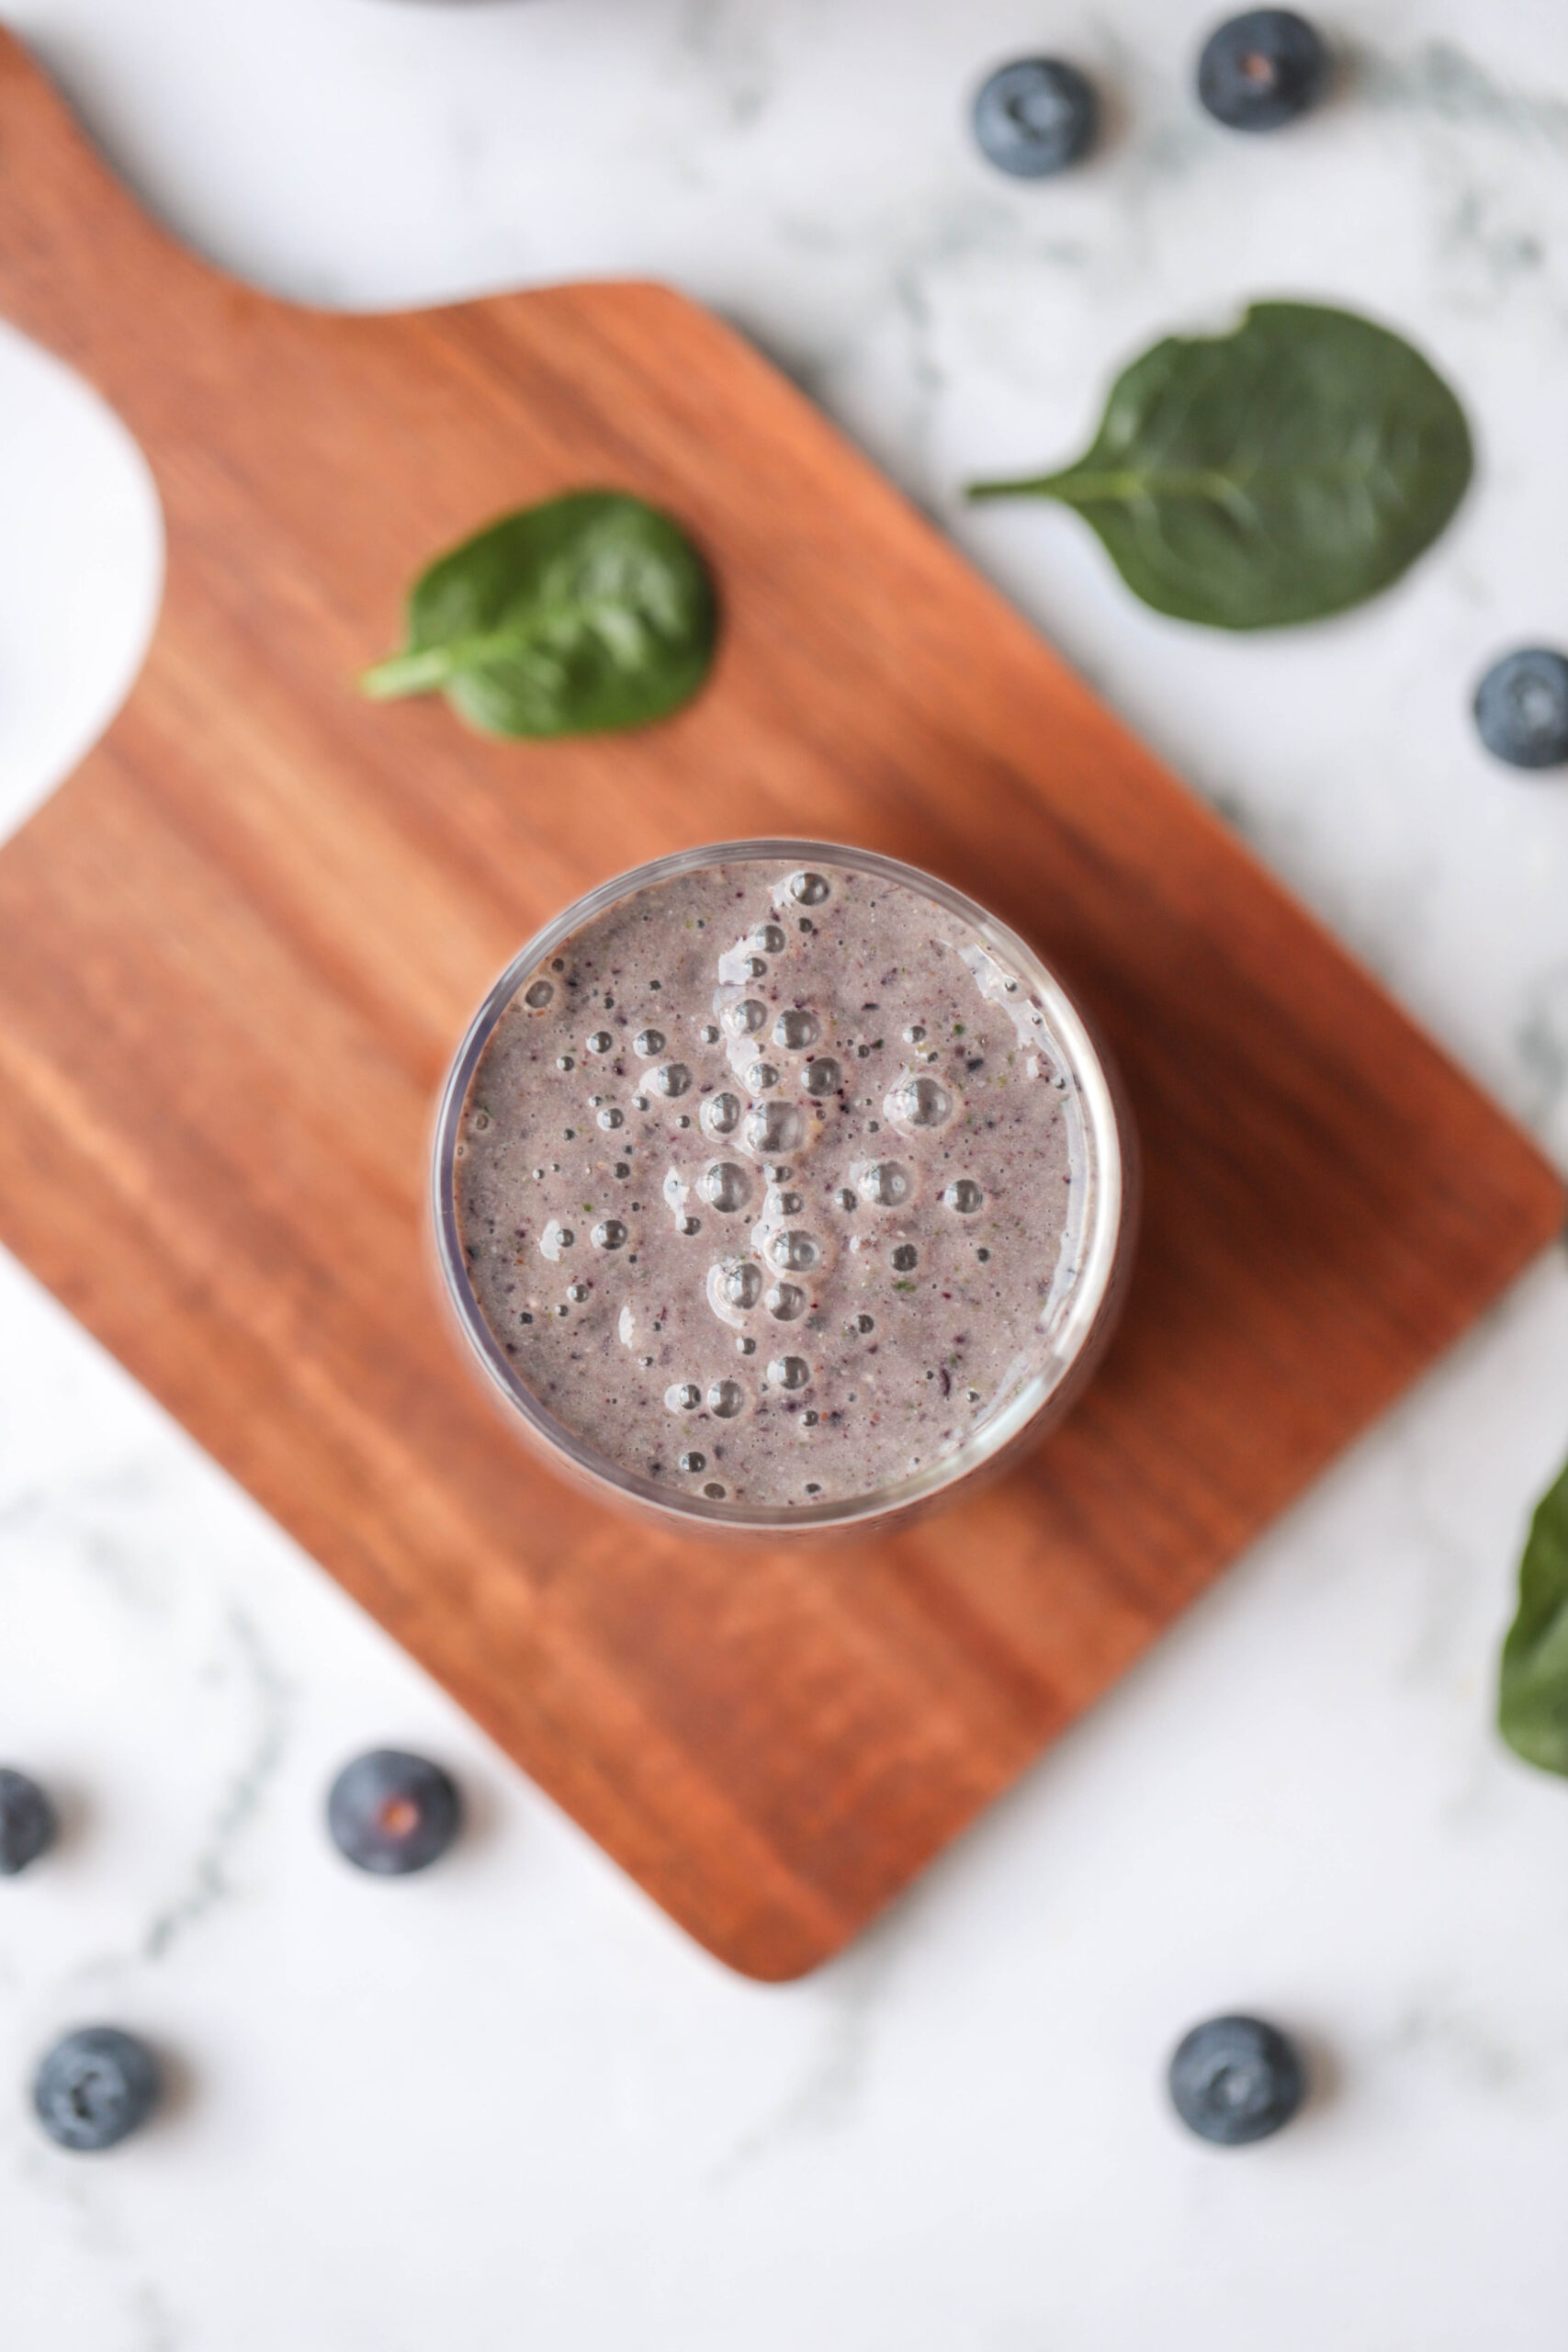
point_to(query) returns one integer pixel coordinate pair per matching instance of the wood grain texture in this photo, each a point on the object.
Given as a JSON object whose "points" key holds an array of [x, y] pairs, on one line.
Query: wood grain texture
{"points": [[238, 947]]}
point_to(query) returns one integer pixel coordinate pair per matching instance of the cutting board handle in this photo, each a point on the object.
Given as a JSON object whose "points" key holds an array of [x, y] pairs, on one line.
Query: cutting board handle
{"points": [[83, 270]]}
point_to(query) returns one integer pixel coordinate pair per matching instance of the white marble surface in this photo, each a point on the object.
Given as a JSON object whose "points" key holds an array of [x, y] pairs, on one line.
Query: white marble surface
{"points": [[508, 2104]]}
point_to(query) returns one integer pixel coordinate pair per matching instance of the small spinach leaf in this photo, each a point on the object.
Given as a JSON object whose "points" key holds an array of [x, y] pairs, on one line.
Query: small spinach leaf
{"points": [[1278, 473], [588, 612], [1533, 1706]]}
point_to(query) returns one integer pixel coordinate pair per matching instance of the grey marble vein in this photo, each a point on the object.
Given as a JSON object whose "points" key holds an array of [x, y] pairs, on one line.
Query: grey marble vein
{"points": [[208, 1879]]}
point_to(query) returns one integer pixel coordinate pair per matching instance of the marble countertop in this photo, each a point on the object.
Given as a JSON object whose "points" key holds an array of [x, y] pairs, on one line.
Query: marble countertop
{"points": [[509, 2104]]}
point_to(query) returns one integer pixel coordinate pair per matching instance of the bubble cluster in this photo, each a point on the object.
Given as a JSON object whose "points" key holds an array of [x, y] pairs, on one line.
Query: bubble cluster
{"points": [[806, 1173]]}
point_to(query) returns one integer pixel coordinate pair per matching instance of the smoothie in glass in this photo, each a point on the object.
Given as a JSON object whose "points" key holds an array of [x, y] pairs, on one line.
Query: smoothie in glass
{"points": [[779, 1185]]}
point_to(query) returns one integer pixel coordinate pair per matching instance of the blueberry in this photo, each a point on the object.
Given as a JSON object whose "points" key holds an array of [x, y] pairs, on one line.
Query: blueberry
{"points": [[1262, 70], [96, 2087], [27, 1822], [1035, 116], [392, 1813], [1521, 708], [1235, 2079]]}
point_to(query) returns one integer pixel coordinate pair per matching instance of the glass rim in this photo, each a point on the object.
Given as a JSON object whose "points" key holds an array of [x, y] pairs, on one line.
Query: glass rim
{"points": [[1088, 1295]]}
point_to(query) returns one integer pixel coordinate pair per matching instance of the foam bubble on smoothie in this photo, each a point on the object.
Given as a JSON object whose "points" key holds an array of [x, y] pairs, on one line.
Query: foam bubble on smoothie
{"points": [[724, 1187], [799, 1251], [770, 1128], [795, 1029], [738, 1284], [883, 1182], [917, 1101]]}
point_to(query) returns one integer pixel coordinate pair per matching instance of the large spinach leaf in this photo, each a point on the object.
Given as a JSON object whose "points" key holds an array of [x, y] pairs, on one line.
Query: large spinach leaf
{"points": [[1533, 1706], [1282, 472], [590, 611]]}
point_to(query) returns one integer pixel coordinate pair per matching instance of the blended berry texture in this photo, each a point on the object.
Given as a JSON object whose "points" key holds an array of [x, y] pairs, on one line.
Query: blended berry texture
{"points": [[770, 1184]]}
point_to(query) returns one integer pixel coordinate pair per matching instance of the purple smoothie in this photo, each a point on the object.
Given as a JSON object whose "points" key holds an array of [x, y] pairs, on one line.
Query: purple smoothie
{"points": [[770, 1184]]}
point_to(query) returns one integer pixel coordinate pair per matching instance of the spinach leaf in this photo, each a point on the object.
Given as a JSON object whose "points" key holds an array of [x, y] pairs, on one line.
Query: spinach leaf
{"points": [[590, 611], [1285, 470], [1533, 1706]]}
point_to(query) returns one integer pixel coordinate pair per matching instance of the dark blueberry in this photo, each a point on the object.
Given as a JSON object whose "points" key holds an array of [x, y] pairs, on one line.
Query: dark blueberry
{"points": [[392, 1813], [27, 1822], [1235, 2079], [96, 2087], [1035, 116], [1521, 708], [1262, 70]]}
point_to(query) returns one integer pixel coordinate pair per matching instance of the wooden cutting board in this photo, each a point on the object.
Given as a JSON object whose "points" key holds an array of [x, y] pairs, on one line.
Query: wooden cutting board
{"points": [[238, 947]]}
